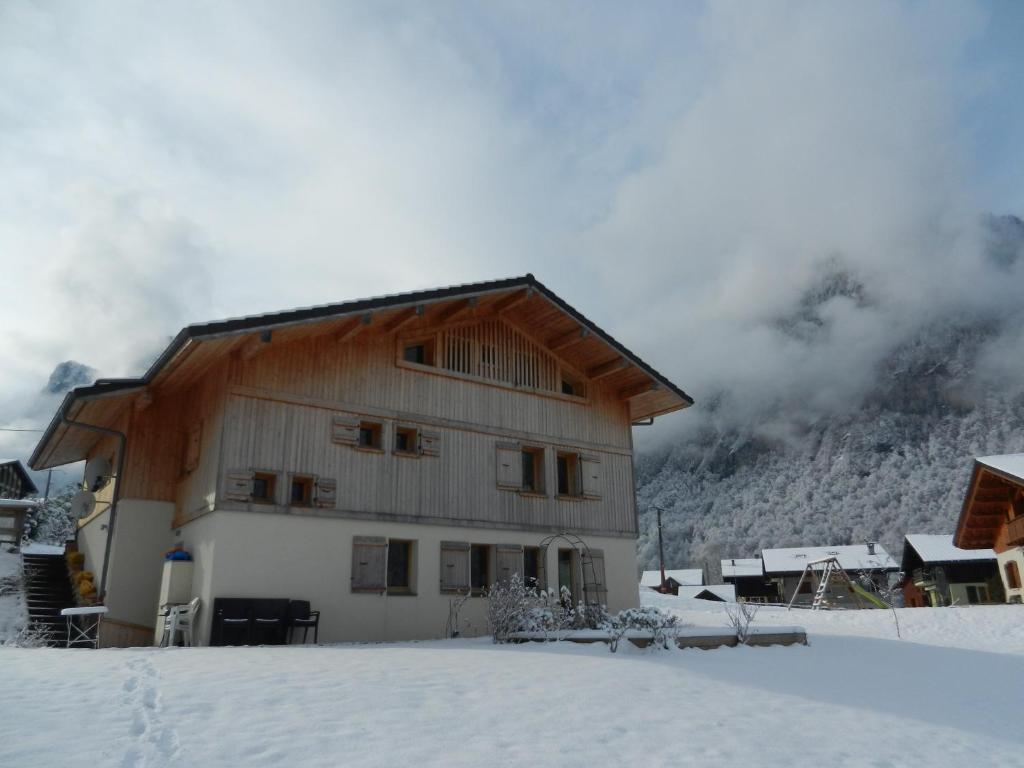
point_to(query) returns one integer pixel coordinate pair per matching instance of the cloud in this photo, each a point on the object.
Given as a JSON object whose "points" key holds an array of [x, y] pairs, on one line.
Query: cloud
{"points": [[679, 173]]}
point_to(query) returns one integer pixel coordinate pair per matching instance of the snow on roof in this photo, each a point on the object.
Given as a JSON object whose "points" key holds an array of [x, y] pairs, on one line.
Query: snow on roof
{"points": [[853, 557], [725, 591], [939, 549], [1010, 464], [687, 576], [741, 566]]}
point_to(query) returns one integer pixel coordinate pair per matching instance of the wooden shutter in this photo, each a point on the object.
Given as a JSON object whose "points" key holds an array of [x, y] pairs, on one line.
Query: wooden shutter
{"points": [[590, 472], [454, 566], [594, 578], [509, 562], [326, 491], [345, 430], [508, 465], [369, 572], [430, 443], [238, 485]]}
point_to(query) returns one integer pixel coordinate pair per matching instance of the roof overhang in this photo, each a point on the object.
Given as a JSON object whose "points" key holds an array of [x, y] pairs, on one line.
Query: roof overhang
{"points": [[523, 301], [989, 495]]}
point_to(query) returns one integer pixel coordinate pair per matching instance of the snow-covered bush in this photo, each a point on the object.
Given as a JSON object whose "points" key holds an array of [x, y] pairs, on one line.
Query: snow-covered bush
{"points": [[50, 522], [661, 625], [513, 606]]}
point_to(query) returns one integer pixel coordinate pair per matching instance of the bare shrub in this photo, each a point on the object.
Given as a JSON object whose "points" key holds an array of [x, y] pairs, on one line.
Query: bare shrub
{"points": [[741, 616]]}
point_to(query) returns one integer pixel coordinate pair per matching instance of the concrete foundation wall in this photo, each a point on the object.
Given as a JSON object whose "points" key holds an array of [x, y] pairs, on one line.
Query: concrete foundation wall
{"points": [[241, 554]]}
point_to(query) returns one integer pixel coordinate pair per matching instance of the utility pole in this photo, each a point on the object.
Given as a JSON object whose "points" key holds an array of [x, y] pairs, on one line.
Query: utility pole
{"points": [[661, 555]]}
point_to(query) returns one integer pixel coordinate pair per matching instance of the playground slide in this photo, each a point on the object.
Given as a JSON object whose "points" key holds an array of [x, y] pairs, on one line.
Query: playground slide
{"points": [[875, 600]]}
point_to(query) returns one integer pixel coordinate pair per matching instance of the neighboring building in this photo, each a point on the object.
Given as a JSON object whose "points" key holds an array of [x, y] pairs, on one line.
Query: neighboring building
{"points": [[992, 517], [937, 573], [785, 566], [674, 579], [746, 574], [378, 458], [720, 593], [14, 480]]}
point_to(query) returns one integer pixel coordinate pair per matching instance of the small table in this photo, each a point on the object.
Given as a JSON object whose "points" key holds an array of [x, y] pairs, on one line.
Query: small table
{"points": [[83, 621]]}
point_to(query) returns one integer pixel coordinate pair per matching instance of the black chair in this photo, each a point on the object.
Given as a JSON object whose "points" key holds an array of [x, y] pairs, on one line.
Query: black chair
{"points": [[232, 621], [269, 621], [299, 616]]}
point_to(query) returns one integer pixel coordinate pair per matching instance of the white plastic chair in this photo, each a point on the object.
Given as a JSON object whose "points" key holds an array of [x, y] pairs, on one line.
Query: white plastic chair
{"points": [[180, 618]]}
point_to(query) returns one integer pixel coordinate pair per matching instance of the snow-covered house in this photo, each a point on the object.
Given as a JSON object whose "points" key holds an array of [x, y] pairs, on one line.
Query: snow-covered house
{"points": [[784, 567], [938, 573], [674, 578], [992, 517], [381, 459], [746, 574], [15, 482]]}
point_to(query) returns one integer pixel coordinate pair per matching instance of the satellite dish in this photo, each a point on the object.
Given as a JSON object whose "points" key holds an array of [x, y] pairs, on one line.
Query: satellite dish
{"points": [[97, 473], [82, 504]]}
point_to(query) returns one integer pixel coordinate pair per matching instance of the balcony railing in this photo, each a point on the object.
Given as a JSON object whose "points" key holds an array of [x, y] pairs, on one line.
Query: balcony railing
{"points": [[1015, 531]]}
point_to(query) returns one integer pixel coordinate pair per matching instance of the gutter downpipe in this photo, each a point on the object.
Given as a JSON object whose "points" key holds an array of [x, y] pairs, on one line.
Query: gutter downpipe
{"points": [[121, 440]]}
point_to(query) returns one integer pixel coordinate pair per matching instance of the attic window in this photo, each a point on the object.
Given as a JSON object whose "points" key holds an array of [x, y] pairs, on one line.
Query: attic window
{"points": [[572, 385], [420, 352]]}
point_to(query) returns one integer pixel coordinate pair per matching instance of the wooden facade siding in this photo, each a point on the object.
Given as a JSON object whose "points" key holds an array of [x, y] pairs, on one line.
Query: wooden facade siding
{"points": [[461, 486]]}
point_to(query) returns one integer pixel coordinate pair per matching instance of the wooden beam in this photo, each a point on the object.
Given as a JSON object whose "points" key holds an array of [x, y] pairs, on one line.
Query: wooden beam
{"points": [[568, 339], [637, 389], [456, 310], [256, 344], [403, 317], [608, 368], [512, 300], [353, 328]]}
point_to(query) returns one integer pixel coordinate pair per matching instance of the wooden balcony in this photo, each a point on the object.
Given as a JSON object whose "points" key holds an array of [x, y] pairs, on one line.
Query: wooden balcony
{"points": [[1015, 531]]}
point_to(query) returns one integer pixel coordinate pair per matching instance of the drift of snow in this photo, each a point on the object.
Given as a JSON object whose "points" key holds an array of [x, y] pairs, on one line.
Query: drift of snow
{"points": [[946, 695], [13, 613]]}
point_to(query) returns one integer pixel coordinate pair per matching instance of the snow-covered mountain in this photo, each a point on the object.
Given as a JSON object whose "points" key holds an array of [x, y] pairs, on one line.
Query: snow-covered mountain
{"points": [[895, 461]]}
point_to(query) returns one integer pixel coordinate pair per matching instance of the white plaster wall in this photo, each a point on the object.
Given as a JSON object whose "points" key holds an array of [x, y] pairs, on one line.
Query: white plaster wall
{"points": [[1016, 554], [240, 554], [142, 534], [92, 542]]}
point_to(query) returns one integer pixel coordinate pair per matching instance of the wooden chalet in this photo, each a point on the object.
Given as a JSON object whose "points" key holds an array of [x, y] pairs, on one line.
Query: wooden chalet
{"points": [[936, 573], [15, 482], [746, 574], [992, 517], [381, 459]]}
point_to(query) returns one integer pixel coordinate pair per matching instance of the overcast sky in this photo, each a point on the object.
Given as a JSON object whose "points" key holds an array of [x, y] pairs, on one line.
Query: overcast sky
{"points": [[680, 172]]}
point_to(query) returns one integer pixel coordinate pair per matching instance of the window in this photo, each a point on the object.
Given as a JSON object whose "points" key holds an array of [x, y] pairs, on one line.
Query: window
{"points": [[479, 567], [400, 558], [571, 385], [264, 485], [807, 587], [406, 440], [972, 594], [419, 352], [568, 465], [1012, 575], [531, 567], [301, 493], [533, 469], [369, 435]]}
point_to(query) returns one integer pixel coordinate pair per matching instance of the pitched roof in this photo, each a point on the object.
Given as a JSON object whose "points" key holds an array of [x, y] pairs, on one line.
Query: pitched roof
{"points": [[742, 566], [939, 548], [995, 481], [649, 394], [853, 557], [684, 576], [724, 592]]}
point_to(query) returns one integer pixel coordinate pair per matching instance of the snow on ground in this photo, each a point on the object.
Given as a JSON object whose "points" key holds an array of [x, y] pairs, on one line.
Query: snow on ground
{"points": [[948, 695], [13, 614]]}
